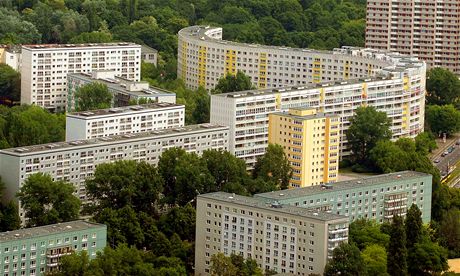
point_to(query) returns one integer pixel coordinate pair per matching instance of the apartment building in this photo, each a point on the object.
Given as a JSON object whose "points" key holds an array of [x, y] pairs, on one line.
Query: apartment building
{"points": [[123, 120], [376, 198], [149, 55], [287, 239], [124, 92], [401, 97], [45, 67], [76, 160], [311, 143], [428, 30], [203, 58], [11, 55], [38, 250]]}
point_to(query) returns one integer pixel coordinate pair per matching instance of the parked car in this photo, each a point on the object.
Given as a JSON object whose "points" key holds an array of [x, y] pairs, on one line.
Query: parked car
{"points": [[458, 142], [437, 160], [450, 149], [445, 153]]}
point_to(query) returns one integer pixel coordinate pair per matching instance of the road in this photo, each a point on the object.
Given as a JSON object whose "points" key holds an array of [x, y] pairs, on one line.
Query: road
{"points": [[451, 159]]}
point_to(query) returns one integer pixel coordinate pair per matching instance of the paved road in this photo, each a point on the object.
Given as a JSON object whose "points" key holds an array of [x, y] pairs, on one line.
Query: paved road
{"points": [[451, 159]]}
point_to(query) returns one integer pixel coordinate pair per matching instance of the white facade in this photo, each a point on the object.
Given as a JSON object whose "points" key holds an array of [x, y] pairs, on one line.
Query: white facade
{"points": [[75, 161], [284, 238], [401, 97], [123, 91], [123, 120], [44, 68]]}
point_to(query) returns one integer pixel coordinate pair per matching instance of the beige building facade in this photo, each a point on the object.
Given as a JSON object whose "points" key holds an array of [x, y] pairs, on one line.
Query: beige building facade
{"points": [[283, 238], [427, 29]]}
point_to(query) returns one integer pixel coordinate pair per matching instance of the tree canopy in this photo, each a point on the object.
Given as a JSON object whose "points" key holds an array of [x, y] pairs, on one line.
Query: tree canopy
{"points": [[367, 127], [46, 201], [91, 96], [10, 83], [443, 119], [29, 125], [274, 167], [443, 87], [231, 83], [346, 260]]}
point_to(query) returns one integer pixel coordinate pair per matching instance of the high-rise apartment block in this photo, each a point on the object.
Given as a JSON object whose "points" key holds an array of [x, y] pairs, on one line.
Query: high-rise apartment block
{"points": [[311, 143], [246, 112], [377, 198], [283, 238], [38, 250], [123, 120], [429, 30], [76, 160], [124, 92], [44, 68], [203, 58]]}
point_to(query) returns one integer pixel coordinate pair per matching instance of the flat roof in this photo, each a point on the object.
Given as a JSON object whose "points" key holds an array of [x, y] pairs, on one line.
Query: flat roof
{"points": [[46, 230], [124, 138], [309, 86], [342, 185], [83, 45], [305, 117], [118, 84], [261, 203], [146, 49], [122, 110]]}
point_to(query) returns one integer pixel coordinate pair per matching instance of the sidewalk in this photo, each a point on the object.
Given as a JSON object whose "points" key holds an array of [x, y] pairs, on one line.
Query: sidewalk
{"points": [[442, 147]]}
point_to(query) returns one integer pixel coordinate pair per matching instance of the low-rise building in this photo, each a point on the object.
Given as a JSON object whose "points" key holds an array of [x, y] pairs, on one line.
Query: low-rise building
{"points": [[37, 250], [76, 160], [311, 143], [376, 198], [11, 55], [123, 120], [124, 91], [283, 238], [149, 55]]}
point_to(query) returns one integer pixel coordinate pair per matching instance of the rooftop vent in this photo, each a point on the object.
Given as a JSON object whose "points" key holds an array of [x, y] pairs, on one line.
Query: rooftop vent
{"points": [[398, 176], [315, 214], [17, 235], [276, 204], [281, 194], [359, 182]]}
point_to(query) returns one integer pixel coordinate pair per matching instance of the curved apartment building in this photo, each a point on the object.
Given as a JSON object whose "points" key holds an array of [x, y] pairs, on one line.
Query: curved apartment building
{"points": [[335, 82]]}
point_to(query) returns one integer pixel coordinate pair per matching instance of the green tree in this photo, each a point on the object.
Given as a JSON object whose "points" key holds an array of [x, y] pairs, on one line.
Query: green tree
{"points": [[443, 119], [364, 233], [397, 252], [46, 201], [274, 166], [16, 30], [414, 226], [443, 87], [201, 111], [125, 183], [185, 174], [224, 167], [425, 142], [30, 125], [123, 226], [449, 232], [222, 265], [367, 127], [10, 83], [92, 96], [76, 264], [375, 260], [180, 221], [9, 214], [346, 260], [231, 83], [427, 258]]}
